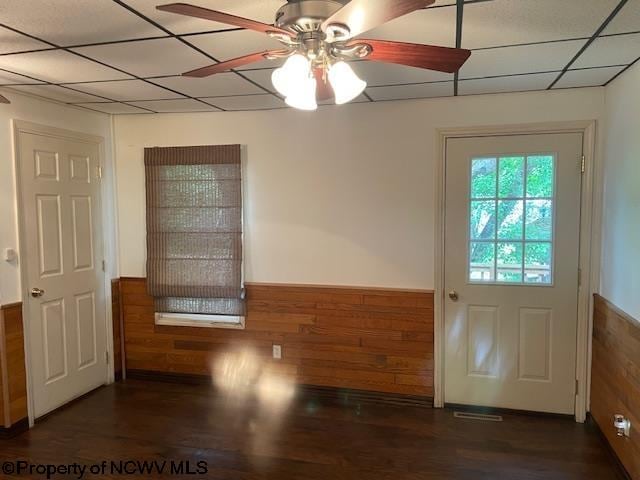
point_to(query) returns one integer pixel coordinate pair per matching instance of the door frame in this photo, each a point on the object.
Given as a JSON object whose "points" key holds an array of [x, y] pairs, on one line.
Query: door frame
{"points": [[19, 127], [589, 259]]}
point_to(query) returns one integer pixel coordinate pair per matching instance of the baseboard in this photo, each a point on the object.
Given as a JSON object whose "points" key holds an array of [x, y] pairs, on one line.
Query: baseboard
{"points": [[17, 428], [155, 376], [341, 395], [621, 470], [504, 411], [347, 396]]}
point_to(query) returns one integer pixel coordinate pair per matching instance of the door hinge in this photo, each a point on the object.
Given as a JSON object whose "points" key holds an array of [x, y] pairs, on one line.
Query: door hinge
{"points": [[99, 172], [576, 390], [104, 266], [106, 357], [583, 164]]}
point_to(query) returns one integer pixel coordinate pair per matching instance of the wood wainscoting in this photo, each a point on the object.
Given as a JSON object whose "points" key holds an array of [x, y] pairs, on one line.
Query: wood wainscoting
{"points": [[357, 338], [615, 379], [13, 372], [116, 320]]}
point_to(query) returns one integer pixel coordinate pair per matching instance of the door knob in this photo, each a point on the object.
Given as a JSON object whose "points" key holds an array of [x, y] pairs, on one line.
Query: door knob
{"points": [[37, 292], [453, 295]]}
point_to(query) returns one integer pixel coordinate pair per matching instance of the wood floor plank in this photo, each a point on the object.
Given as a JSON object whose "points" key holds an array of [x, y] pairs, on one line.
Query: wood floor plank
{"points": [[312, 438]]}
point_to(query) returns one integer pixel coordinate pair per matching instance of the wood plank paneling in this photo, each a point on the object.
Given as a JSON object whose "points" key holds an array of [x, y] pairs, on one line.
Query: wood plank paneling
{"points": [[3, 374], [358, 338], [615, 379], [13, 371], [116, 318]]}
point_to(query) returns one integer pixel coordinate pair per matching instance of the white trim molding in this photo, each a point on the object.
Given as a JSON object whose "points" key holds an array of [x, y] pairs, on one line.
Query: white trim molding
{"points": [[589, 260]]}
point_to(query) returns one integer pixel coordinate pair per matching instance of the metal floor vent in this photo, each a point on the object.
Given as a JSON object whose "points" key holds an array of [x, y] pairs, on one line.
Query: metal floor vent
{"points": [[483, 417]]}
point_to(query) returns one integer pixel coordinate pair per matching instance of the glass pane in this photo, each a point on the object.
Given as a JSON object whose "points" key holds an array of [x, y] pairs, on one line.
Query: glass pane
{"points": [[509, 262], [510, 219], [540, 176], [537, 262], [539, 224], [483, 220], [511, 177], [483, 178], [482, 261]]}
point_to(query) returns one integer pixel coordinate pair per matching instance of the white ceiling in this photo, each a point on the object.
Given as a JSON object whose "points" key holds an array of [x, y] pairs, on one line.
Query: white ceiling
{"points": [[125, 57]]}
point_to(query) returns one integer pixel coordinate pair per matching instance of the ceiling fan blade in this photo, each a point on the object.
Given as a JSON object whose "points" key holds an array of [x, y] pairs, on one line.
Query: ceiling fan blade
{"points": [[363, 15], [4, 99], [205, 13], [324, 90], [231, 64], [442, 59]]}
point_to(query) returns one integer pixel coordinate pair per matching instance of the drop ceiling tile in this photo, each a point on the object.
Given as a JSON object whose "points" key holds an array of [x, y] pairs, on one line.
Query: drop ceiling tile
{"points": [[75, 22], [590, 77], [376, 73], [538, 58], [247, 102], [57, 93], [11, 41], [219, 85], [227, 45], [332, 102], [164, 56], [627, 19], [126, 90], [181, 105], [8, 78], [607, 51], [435, 26], [509, 22], [261, 77], [113, 108], [402, 92], [58, 66], [516, 83], [261, 10]]}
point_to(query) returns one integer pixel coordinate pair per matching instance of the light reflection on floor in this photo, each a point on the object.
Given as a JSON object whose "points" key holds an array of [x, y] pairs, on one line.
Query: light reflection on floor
{"points": [[247, 381]]}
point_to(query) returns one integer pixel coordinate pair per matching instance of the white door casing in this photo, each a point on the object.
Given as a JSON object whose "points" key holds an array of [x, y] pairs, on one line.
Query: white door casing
{"points": [[512, 346], [62, 255]]}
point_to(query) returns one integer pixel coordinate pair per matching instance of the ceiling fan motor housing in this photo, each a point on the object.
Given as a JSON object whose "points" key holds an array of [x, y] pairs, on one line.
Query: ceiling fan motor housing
{"points": [[306, 16]]}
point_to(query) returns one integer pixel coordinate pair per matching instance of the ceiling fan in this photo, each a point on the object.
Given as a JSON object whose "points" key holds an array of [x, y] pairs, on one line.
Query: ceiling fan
{"points": [[4, 99], [319, 37]]}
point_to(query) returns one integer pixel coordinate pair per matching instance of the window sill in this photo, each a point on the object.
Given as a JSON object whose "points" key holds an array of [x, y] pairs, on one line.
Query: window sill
{"points": [[202, 321]]}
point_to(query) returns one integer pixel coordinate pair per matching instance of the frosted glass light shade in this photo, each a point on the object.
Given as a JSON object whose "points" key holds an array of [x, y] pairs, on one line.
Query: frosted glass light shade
{"points": [[346, 84], [302, 95], [295, 69]]}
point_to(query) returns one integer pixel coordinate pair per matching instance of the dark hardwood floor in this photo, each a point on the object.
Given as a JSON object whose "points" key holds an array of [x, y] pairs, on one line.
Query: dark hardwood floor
{"points": [[312, 437]]}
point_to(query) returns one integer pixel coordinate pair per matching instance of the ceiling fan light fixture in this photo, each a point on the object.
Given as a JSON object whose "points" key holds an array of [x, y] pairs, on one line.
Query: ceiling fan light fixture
{"points": [[303, 95], [295, 70], [346, 84]]}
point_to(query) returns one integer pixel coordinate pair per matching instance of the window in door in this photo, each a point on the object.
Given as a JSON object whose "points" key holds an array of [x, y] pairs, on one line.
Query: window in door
{"points": [[511, 212]]}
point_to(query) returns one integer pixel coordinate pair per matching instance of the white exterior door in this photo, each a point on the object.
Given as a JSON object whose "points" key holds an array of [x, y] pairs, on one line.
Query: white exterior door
{"points": [[512, 220], [63, 239]]}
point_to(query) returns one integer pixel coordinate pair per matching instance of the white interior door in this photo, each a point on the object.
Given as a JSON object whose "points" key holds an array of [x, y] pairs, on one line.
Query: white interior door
{"points": [[63, 239], [512, 218]]}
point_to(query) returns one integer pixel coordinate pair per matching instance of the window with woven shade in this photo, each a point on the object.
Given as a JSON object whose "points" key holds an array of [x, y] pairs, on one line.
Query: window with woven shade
{"points": [[194, 230]]}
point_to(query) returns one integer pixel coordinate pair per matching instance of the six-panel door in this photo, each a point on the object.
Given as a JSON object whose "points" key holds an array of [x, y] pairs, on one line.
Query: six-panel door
{"points": [[60, 198]]}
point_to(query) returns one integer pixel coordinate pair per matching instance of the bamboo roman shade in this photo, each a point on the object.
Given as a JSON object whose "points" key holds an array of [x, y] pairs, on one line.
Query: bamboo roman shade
{"points": [[194, 229]]}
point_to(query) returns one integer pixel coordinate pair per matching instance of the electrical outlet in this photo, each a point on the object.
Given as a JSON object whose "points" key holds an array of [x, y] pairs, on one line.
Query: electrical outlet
{"points": [[277, 351]]}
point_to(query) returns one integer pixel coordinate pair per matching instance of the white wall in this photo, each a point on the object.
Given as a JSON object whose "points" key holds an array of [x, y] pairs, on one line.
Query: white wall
{"points": [[43, 112], [342, 196], [620, 272]]}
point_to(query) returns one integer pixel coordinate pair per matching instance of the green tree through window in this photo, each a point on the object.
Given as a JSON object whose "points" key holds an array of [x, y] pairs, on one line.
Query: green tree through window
{"points": [[511, 219]]}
